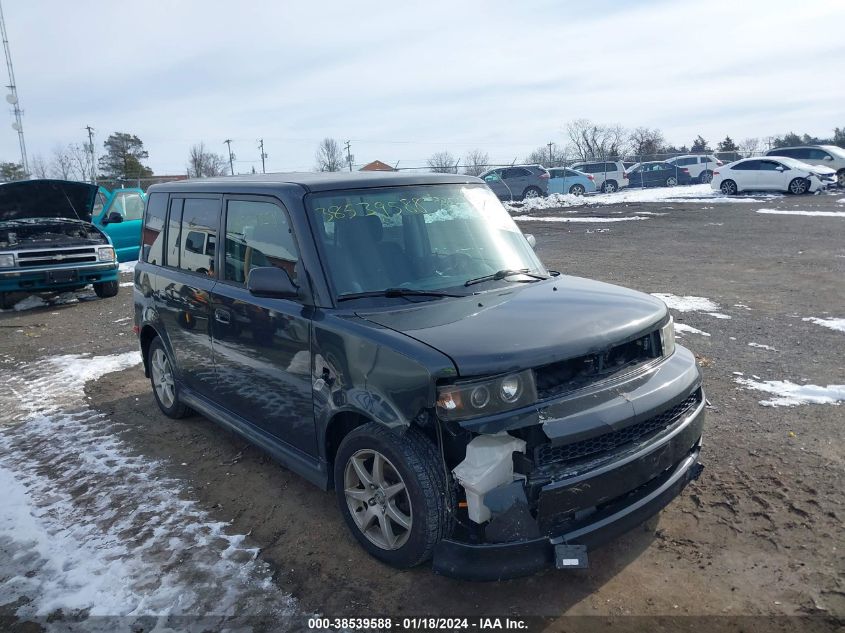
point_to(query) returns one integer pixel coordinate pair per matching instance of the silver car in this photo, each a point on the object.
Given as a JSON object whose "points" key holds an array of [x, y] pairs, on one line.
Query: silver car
{"points": [[518, 181]]}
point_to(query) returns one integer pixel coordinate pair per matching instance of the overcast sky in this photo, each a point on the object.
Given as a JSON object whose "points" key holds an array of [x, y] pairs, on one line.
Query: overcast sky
{"points": [[405, 79]]}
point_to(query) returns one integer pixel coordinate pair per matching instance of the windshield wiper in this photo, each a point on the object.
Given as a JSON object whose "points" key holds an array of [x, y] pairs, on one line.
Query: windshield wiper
{"points": [[502, 274], [397, 292]]}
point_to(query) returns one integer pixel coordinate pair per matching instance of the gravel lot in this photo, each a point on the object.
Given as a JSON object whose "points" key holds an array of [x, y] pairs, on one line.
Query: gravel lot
{"points": [[760, 533]]}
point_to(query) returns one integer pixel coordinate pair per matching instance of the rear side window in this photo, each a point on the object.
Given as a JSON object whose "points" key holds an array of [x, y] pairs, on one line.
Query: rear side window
{"points": [[258, 234], [610, 167], [152, 239], [749, 165], [817, 154], [199, 232]]}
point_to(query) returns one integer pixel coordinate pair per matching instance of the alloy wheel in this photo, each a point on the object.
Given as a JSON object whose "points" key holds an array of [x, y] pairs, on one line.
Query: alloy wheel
{"points": [[840, 179], [798, 186], [728, 188], [531, 193], [377, 499], [162, 376], [706, 177], [609, 187]]}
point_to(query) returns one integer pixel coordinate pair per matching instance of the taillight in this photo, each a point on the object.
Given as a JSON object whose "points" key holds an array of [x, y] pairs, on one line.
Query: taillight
{"points": [[624, 175], [719, 163], [544, 175], [685, 170], [715, 173], [590, 177]]}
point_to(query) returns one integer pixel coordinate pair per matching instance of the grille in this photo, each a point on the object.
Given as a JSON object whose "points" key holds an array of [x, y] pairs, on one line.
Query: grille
{"points": [[568, 375], [548, 454], [57, 256]]}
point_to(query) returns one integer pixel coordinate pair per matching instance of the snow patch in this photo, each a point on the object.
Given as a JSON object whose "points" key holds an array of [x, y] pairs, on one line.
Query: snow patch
{"points": [[93, 529], [833, 324], [761, 346], [126, 284], [687, 303], [718, 315], [530, 218], [820, 214], [789, 394], [683, 328], [127, 267]]}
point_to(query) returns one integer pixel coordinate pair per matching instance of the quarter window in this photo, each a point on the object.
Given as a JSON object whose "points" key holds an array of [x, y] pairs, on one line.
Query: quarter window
{"points": [[258, 234], [152, 238]]}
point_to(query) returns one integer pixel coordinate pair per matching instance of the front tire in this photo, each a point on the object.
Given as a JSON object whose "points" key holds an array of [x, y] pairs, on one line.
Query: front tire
{"points": [[799, 186], [728, 187], [106, 289], [577, 190], [392, 492], [840, 178], [163, 381]]}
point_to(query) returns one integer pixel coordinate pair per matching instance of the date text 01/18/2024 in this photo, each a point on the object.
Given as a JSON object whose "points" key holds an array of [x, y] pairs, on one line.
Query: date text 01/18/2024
{"points": [[419, 623]]}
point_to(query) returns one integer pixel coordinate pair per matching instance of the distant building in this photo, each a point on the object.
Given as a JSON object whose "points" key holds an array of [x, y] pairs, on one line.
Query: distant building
{"points": [[377, 165]]}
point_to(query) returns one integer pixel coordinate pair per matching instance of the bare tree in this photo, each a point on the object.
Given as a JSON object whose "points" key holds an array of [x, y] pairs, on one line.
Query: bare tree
{"points": [[203, 163], [39, 167], [592, 141], [542, 156], [645, 143], [80, 160], [62, 163], [750, 146], [475, 162], [329, 156], [442, 163]]}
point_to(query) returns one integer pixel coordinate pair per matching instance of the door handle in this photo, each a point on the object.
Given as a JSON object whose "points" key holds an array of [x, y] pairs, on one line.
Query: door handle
{"points": [[222, 316]]}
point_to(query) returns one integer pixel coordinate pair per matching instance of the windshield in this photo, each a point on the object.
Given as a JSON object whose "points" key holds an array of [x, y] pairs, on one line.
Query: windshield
{"points": [[425, 237]]}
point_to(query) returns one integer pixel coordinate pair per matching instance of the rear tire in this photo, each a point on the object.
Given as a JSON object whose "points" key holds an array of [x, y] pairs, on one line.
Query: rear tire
{"points": [[705, 177], [728, 187], [163, 381], [369, 498], [609, 186], [106, 289], [577, 190], [799, 186], [671, 181], [531, 192]]}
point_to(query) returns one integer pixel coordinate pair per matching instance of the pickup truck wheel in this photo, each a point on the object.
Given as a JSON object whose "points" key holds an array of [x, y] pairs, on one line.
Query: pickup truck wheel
{"points": [[392, 492], [106, 289], [5, 302], [163, 380]]}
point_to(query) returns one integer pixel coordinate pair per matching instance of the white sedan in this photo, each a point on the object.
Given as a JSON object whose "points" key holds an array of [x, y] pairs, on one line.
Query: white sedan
{"points": [[772, 174]]}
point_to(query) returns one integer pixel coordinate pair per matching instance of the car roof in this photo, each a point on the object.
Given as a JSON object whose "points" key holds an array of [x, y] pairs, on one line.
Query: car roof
{"points": [[312, 181], [825, 147]]}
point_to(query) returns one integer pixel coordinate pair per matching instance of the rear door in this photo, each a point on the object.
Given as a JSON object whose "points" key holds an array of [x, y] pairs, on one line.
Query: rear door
{"points": [[494, 181], [185, 287], [516, 178], [262, 352]]}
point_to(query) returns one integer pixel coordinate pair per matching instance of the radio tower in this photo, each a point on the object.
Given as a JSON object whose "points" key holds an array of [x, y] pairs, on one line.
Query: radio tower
{"points": [[12, 97]]}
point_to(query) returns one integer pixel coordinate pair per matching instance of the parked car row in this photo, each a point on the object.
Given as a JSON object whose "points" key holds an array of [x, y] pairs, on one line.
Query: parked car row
{"points": [[518, 182]]}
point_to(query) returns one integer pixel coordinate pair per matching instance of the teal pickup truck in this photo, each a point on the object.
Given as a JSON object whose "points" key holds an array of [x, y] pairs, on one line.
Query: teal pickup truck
{"points": [[48, 241], [119, 214]]}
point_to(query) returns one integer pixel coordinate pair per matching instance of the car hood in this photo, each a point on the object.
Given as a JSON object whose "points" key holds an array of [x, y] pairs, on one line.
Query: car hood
{"points": [[526, 325], [35, 199]]}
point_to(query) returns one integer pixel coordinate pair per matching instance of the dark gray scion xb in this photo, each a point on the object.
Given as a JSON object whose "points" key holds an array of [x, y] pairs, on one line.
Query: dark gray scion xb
{"points": [[395, 338]]}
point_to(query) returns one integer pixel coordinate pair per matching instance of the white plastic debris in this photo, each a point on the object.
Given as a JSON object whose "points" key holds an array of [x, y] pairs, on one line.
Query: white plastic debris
{"points": [[488, 464]]}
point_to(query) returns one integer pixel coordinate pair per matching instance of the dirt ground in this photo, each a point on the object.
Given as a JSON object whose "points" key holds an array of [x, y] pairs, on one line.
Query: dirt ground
{"points": [[760, 533]]}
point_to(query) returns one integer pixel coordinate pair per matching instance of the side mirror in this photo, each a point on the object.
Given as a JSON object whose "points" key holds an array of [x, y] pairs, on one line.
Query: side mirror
{"points": [[780, 168], [532, 241], [828, 157], [271, 282], [113, 218]]}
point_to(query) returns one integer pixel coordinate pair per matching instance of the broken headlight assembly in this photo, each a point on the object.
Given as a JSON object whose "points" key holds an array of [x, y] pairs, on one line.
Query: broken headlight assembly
{"points": [[7, 260], [667, 338], [473, 398]]}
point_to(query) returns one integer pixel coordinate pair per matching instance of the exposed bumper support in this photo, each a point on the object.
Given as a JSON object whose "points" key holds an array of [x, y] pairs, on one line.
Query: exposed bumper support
{"points": [[509, 560]]}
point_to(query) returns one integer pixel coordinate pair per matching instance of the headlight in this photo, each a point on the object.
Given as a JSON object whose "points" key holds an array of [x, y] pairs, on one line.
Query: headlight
{"points": [[488, 396], [7, 261], [106, 254], [667, 337]]}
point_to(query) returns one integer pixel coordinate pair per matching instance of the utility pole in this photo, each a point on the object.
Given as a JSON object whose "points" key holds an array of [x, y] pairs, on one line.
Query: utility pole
{"points": [[551, 159], [348, 155], [263, 155], [228, 143], [91, 151], [12, 97]]}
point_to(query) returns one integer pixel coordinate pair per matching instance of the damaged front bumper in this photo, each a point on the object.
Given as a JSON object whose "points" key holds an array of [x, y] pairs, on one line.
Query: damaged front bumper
{"points": [[594, 500]]}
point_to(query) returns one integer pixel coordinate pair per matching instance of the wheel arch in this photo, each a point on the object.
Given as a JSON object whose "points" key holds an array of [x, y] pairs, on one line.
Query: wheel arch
{"points": [[146, 337]]}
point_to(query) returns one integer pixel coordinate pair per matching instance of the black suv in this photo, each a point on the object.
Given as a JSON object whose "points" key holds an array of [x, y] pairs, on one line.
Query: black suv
{"points": [[395, 337]]}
